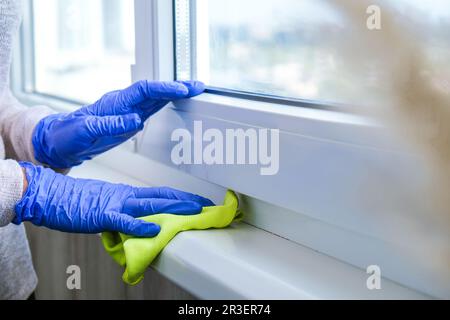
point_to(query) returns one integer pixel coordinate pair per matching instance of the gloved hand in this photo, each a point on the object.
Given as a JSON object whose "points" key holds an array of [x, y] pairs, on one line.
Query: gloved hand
{"points": [[63, 141], [137, 254], [89, 206]]}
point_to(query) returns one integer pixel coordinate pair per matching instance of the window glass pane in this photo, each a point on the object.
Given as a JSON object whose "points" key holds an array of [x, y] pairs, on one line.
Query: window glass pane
{"points": [[308, 49], [83, 48]]}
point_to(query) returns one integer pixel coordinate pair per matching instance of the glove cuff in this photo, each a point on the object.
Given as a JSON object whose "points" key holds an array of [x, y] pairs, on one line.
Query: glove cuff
{"points": [[22, 210]]}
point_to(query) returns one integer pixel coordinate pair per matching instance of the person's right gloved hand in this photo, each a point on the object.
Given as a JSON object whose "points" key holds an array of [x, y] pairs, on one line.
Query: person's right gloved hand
{"points": [[73, 205]]}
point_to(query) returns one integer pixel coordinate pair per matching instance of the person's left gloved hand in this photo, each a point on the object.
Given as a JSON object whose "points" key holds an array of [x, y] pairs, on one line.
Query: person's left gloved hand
{"points": [[73, 205], [63, 141]]}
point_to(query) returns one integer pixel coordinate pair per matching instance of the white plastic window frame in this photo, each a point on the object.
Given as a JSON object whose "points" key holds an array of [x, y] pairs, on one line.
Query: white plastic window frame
{"points": [[155, 60]]}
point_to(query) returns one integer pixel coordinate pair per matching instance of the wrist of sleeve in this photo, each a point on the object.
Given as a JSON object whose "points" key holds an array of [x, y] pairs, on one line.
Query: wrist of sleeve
{"points": [[20, 132], [11, 190]]}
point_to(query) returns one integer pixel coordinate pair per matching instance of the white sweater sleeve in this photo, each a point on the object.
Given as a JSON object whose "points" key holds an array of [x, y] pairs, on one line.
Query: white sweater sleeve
{"points": [[17, 124]]}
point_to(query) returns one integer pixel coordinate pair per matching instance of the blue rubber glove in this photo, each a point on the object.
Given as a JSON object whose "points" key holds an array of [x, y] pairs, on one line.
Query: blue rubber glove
{"points": [[63, 141], [72, 205]]}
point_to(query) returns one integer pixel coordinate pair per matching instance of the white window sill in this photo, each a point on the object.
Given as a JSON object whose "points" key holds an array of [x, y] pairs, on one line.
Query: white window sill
{"points": [[249, 263]]}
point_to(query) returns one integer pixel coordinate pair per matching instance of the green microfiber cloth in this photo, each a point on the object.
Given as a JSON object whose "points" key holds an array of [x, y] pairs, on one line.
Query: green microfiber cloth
{"points": [[136, 254]]}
